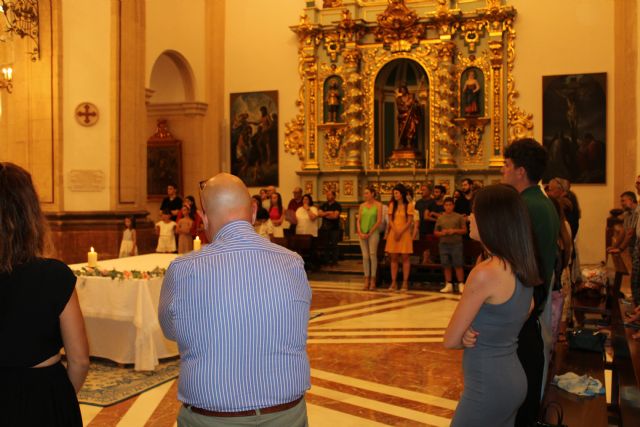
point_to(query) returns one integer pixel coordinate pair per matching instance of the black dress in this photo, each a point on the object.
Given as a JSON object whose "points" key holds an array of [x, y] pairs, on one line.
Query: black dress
{"points": [[32, 298]]}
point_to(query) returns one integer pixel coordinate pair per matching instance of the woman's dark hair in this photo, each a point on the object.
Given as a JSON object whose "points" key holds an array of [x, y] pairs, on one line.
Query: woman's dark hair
{"points": [[192, 212], [258, 199], [279, 203], [132, 218], [23, 227], [372, 190], [394, 203], [192, 200], [308, 196], [505, 230]]}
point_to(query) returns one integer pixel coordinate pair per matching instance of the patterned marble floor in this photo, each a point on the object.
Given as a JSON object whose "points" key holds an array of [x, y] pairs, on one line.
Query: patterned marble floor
{"points": [[376, 359]]}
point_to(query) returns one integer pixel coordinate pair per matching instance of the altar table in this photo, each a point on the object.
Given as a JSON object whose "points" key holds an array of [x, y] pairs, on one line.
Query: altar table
{"points": [[121, 315]]}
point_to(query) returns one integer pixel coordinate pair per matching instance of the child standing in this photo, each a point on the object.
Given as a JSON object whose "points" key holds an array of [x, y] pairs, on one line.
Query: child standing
{"points": [[185, 240], [128, 245], [165, 230], [449, 228]]}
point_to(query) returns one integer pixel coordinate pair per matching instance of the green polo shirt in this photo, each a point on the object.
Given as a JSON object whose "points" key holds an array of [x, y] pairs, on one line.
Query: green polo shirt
{"points": [[546, 227]]}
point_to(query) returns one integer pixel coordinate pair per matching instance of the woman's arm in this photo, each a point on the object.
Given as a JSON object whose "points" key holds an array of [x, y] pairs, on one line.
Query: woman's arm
{"points": [[75, 342], [313, 213], [476, 292], [358, 219]]}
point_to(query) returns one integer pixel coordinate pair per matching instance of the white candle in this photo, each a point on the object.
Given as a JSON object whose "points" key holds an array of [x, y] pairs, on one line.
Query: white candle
{"points": [[197, 244], [92, 258]]}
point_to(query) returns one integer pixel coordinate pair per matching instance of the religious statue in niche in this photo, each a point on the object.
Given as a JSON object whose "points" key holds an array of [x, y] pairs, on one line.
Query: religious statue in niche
{"points": [[333, 100], [471, 98], [409, 118]]}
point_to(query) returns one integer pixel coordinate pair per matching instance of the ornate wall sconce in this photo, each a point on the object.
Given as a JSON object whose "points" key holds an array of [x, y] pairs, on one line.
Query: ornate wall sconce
{"points": [[22, 20], [7, 77]]}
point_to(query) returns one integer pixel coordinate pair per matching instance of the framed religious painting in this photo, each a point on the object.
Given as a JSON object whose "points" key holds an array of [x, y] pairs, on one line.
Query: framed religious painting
{"points": [[164, 162], [574, 121], [254, 137]]}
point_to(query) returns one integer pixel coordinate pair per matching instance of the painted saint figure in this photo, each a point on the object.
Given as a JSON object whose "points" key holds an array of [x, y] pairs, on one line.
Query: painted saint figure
{"points": [[471, 95], [408, 118], [333, 102]]}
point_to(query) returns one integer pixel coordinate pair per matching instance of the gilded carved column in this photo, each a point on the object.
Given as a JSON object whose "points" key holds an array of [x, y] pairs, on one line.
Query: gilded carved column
{"points": [[445, 110], [297, 141], [353, 112]]}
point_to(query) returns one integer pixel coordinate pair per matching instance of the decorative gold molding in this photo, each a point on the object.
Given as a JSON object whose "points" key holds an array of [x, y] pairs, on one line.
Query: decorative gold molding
{"points": [[472, 130], [398, 27]]}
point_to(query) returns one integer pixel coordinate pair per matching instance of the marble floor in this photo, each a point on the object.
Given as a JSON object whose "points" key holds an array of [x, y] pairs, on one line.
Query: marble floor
{"points": [[376, 359]]}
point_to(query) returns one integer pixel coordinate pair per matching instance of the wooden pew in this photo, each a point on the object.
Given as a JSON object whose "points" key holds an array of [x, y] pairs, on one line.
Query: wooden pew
{"points": [[625, 367], [578, 411]]}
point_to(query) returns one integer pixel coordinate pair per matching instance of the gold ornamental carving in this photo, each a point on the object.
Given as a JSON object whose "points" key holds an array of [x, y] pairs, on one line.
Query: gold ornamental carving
{"points": [[355, 40], [333, 136], [472, 129], [330, 186], [347, 187], [398, 27], [520, 123], [308, 187]]}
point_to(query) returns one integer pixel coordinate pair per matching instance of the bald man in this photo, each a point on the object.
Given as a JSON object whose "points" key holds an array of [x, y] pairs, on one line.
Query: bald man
{"points": [[239, 311]]}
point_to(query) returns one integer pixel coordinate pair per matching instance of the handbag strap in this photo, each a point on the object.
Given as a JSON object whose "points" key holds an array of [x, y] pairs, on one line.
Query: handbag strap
{"points": [[558, 411]]}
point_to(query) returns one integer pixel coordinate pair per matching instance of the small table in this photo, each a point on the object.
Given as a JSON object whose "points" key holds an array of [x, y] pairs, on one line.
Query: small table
{"points": [[121, 315]]}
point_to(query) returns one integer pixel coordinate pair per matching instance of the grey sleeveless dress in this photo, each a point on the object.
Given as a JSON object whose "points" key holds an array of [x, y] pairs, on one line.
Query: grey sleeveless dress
{"points": [[495, 384]]}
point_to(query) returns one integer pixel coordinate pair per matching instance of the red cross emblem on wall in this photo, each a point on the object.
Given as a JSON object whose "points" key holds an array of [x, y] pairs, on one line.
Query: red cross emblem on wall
{"points": [[87, 114]]}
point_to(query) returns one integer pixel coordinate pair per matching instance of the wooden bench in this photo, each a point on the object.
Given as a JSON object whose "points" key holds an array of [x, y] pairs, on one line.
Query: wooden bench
{"points": [[625, 368], [578, 411]]}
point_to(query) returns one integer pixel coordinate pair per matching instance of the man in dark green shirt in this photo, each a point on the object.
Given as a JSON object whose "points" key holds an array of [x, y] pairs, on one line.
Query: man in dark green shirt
{"points": [[525, 162]]}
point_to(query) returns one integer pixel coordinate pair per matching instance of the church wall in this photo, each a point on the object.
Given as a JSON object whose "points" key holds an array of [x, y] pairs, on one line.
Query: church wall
{"points": [[261, 53], [169, 27], [569, 38], [86, 77]]}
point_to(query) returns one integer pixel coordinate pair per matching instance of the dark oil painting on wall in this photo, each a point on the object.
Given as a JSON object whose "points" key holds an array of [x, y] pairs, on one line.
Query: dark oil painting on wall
{"points": [[254, 137], [575, 127]]}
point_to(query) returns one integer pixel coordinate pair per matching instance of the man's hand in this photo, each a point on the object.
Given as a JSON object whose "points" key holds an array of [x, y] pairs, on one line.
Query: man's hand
{"points": [[613, 250], [469, 338]]}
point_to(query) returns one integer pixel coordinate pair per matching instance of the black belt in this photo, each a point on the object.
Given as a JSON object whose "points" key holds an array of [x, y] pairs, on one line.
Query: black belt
{"points": [[248, 413]]}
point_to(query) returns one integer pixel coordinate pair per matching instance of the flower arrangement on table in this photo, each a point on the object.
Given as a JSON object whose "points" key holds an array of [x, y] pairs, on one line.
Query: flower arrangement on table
{"points": [[121, 275]]}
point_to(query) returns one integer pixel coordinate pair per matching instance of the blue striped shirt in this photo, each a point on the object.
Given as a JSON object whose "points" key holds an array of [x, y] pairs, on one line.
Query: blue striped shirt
{"points": [[239, 311]]}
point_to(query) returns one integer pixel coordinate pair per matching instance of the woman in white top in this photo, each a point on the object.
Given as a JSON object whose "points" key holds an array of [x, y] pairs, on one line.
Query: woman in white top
{"points": [[307, 216]]}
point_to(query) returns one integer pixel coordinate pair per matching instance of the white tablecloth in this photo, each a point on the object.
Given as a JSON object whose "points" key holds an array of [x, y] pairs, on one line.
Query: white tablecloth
{"points": [[121, 316]]}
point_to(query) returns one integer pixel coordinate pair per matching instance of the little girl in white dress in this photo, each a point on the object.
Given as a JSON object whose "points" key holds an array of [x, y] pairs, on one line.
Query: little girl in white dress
{"points": [[128, 245]]}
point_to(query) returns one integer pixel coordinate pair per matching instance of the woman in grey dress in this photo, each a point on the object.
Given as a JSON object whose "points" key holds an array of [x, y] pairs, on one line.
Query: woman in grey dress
{"points": [[496, 302]]}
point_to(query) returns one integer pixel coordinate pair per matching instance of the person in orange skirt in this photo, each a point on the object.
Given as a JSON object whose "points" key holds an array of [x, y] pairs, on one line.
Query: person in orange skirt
{"points": [[399, 240]]}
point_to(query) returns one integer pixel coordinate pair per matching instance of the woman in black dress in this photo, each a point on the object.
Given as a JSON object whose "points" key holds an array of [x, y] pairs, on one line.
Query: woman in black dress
{"points": [[39, 314]]}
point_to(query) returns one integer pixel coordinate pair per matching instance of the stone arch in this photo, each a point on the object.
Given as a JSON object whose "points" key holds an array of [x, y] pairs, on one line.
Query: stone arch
{"points": [[172, 78]]}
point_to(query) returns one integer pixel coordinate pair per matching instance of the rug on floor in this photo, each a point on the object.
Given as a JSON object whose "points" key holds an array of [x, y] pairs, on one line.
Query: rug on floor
{"points": [[108, 383]]}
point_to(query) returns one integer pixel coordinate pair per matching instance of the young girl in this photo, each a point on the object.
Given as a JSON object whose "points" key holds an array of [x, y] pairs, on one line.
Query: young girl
{"points": [[183, 230], [399, 240], [128, 245], [165, 230], [276, 216], [496, 303]]}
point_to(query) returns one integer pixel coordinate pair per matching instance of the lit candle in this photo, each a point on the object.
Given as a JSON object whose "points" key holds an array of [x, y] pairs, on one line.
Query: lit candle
{"points": [[197, 244], [92, 258]]}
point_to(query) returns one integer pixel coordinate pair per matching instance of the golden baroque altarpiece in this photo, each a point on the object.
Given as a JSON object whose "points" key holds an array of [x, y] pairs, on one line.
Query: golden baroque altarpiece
{"points": [[454, 59]]}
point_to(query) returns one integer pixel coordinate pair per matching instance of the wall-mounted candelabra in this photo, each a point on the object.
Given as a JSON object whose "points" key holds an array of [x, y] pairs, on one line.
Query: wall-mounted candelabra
{"points": [[6, 78]]}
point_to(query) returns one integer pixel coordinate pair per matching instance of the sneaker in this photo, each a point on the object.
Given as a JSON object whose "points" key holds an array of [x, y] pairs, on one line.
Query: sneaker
{"points": [[460, 287], [448, 288]]}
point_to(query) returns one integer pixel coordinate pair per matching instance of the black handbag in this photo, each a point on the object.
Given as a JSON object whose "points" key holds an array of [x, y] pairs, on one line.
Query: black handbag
{"points": [[559, 415], [587, 340]]}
